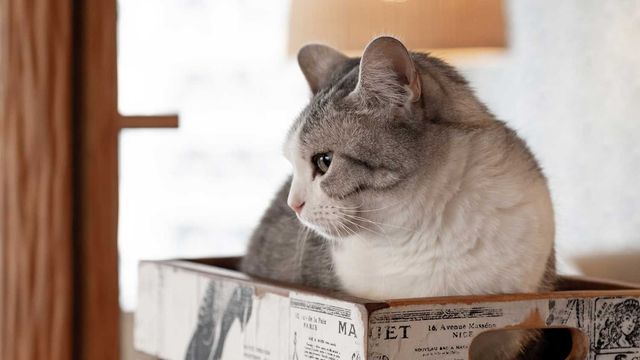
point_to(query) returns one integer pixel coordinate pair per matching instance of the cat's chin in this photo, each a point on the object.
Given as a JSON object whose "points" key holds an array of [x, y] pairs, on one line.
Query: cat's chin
{"points": [[321, 231]]}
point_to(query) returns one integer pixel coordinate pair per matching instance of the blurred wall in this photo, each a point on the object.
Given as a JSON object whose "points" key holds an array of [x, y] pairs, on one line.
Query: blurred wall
{"points": [[570, 84]]}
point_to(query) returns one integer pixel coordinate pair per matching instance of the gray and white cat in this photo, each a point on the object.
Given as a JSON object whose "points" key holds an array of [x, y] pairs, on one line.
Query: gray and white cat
{"points": [[404, 185]]}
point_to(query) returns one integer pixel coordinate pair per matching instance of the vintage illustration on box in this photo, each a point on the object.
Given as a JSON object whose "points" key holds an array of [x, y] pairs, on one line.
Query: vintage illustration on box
{"points": [[617, 328], [235, 323], [434, 331], [612, 325], [325, 329], [220, 308], [198, 316], [568, 312]]}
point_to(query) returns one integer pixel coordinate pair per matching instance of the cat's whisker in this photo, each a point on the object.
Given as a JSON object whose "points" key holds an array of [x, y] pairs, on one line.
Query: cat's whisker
{"points": [[354, 208], [375, 209], [351, 232], [303, 232], [363, 227], [346, 229], [359, 207], [384, 236], [335, 229], [358, 218], [332, 242], [379, 224], [356, 224], [355, 236]]}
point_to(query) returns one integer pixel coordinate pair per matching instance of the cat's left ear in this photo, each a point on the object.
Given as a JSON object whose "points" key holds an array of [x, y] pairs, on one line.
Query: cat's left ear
{"points": [[388, 73], [318, 62]]}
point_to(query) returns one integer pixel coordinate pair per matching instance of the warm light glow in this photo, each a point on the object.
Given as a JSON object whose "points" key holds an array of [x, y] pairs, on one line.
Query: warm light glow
{"points": [[349, 25]]}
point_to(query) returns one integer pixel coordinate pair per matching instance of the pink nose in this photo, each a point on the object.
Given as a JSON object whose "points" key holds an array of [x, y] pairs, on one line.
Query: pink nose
{"points": [[297, 206]]}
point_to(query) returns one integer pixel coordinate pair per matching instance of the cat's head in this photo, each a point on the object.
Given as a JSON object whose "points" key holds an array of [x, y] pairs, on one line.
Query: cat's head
{"points": [[359, 146]]}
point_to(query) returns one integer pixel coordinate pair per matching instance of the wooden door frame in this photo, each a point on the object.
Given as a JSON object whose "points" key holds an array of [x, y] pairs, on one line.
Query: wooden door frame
{"points": [[98, 124], [59, 127], [96, 128]]}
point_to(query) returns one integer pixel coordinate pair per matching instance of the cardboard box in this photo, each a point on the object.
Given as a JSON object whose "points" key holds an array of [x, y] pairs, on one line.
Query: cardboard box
{"points": [[204, 309]]}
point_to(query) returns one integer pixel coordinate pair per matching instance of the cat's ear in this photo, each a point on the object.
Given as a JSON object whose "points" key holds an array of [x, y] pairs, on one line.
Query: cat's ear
{"points": [[388, 73], [317, 63]]}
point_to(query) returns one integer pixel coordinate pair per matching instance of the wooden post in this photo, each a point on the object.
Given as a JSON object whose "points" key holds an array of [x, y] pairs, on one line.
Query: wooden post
{"points": [[36, 281], [58, 180], [98, 126], [59, 128]]}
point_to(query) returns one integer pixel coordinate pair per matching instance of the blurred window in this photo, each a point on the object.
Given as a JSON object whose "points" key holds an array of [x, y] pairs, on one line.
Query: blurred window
{"points": [[223, 67]]}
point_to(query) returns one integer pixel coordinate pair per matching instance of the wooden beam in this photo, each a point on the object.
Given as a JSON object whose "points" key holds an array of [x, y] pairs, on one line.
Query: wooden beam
{"points": [[98, 125], [151, 121], [36, 268], [58, 180]]}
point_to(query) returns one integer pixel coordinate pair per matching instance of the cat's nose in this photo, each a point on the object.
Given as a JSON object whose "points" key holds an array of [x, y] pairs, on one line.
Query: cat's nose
{"points": [[296, 206]]}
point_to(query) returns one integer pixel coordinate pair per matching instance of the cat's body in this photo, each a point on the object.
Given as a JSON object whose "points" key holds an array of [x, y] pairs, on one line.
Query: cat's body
{"points": [[410, 186], [436, 259]]}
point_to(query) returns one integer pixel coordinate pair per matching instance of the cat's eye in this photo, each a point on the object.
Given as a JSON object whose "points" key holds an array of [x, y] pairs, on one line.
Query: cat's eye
{"points": [[322, 162]]}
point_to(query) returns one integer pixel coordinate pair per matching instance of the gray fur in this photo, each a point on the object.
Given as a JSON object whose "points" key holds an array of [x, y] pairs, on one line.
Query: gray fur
{"points": [[282, 249], [387, 142], [385, 152]]}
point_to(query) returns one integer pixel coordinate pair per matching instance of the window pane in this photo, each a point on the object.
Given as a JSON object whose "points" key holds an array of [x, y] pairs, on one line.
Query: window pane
{"points": [[199, 190]]}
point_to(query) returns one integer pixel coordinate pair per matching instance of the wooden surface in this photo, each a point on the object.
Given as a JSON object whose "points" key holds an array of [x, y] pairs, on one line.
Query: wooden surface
{"points": [[149, 121], [98, 126], [35, 180], [622, 265]]}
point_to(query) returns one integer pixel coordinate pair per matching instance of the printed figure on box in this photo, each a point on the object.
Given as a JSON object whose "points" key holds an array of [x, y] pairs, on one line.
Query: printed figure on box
{"points": [[295, 346], [220, 307], [621, 327]]}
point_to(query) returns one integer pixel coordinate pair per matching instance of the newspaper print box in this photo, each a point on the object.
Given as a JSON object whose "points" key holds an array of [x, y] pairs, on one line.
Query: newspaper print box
{"points": [[204, 309]]}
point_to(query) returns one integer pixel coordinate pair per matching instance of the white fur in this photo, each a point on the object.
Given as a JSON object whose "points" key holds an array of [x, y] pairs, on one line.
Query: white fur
{"points": [[467, 233], [476, 228], [301, 172]]}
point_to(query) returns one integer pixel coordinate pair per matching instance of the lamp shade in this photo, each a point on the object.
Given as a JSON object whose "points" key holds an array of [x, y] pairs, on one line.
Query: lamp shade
{"points": [[424, 25]]}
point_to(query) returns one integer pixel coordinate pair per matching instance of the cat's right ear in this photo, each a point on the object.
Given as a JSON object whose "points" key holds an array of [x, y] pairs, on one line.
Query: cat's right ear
{"points": [[388, 73], [317, 63]]}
